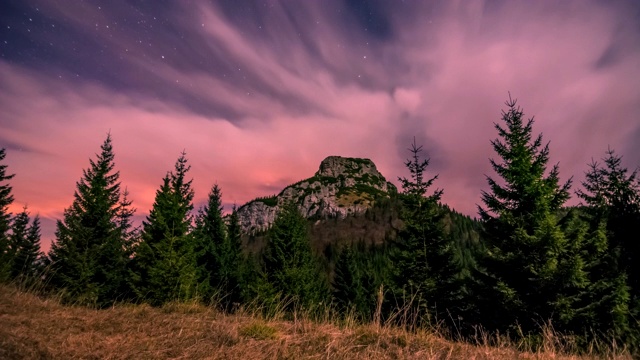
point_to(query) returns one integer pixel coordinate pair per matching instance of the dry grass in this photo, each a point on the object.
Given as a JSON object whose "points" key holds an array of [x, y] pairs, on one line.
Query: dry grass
{"points": [[40, 328]]}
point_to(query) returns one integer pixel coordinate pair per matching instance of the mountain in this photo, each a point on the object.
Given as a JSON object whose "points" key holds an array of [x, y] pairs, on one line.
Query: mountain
{"points": [[342, 186], [348, 201]]}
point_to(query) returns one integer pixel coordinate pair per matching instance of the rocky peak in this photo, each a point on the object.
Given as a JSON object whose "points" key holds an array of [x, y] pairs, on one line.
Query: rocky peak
{"points": [[340, 187], [334, 166]]}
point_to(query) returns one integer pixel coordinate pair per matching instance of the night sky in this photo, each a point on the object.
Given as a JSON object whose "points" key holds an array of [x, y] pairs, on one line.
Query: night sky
{"points": [[258, 92]]}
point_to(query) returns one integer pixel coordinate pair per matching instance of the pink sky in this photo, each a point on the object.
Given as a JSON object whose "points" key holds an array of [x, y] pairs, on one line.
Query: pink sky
{"points": [[259, 95]]}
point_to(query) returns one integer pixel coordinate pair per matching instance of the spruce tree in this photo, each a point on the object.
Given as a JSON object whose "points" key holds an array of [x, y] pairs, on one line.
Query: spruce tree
{"points": [[234, 259], [6, 199], [124, 222], [30, 254], [88, 258], [210, 235], [426, 274], [165, 264], [532, 265], [612, 195], [16, 237], [290, 267], [219, 252], [25, 245]]}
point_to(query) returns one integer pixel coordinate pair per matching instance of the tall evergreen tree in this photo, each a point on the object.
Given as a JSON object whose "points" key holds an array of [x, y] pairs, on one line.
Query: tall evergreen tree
{"points": [[290, 267], [426, 274], [16, 236], [165, 264], [612, 195], [218, 257], [25, 243], [234, 231], [210, 235], [88, 257], [124, 222], [234, 260], [533, 266], [6, 199]]}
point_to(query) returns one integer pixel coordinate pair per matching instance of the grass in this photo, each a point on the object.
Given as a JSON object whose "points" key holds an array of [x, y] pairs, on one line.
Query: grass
{"points": [[34, 327], [258, 330]]}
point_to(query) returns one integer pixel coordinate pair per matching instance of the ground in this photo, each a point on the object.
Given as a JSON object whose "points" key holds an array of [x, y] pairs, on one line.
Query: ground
{"points": [[35, 327]]}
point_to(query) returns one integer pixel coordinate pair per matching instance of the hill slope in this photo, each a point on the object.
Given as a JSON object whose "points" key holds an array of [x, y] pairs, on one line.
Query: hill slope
{"points": [[36, 328]]}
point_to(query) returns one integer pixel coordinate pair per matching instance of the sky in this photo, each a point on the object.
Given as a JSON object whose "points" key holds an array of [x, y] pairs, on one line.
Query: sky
{"points": [[259, 92]]}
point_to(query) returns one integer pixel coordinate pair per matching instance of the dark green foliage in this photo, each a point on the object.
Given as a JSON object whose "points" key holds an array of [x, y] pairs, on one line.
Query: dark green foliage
{"points": [[219, 252], [124, 214], [290, 268], [347, 284], [234, 259], [6, 199], [268, 200], [359, 272], [25, 245], [465, 234], [210, 235], [613, 195], [613, 198], [532, 266], [255, 289], [89, 257], [16, 238], [425, 274], [165, 263], [600, 307]]}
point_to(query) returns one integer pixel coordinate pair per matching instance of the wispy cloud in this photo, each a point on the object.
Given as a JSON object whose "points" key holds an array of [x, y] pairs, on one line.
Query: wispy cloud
{"points": [[258, 94]]}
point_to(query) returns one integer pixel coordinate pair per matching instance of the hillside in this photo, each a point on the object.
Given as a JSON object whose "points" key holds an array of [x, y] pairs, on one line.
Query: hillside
{"points": [[348, 201], [377, 227], [38, 328]]}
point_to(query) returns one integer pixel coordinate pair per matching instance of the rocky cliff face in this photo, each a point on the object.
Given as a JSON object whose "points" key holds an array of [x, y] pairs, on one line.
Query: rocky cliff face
{"points": [[340, 187]]}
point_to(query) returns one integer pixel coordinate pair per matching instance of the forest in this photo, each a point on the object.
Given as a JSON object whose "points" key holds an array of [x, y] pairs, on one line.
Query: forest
{"points": [[526, 264]]}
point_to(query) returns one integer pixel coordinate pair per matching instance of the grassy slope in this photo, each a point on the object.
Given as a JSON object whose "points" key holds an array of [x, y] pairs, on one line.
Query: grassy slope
{"points": [[37, 328]]}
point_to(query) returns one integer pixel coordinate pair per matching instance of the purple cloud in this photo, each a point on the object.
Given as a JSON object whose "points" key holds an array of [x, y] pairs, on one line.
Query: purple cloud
{"points": [[259, 93]]}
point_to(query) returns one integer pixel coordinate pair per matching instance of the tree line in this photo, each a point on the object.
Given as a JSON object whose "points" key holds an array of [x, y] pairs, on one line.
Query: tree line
{"points": [[536, 262]]}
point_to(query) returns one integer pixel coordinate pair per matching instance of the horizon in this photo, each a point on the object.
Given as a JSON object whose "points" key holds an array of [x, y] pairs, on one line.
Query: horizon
{"points": [[258, 93]]}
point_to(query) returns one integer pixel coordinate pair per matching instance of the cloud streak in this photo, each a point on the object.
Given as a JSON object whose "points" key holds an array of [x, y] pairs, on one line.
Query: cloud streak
{"points": [[258, 94]]}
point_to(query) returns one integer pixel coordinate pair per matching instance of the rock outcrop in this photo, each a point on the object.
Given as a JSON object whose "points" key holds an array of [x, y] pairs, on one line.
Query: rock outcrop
{"points": [[340, 187]]}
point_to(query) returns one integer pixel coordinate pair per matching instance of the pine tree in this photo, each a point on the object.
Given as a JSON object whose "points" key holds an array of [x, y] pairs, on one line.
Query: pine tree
{"points": [[124, 222], [613, 198], [219, 251], [290, 267], [25, 244], [613, 195], [532, 266], [88, 258], [16, 237], [165, 264], [210, 234], [426, 274], [234, 259], [6, 199]]}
